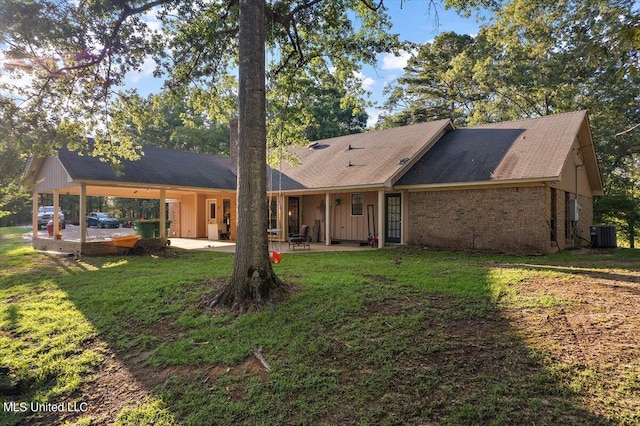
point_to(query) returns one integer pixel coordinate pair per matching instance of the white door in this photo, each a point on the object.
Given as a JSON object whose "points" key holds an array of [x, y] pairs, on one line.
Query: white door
{"points": [[212, 220]]}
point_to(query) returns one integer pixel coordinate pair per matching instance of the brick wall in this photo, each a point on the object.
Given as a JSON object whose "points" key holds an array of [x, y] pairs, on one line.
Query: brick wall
{"points": [[510, 220], [585, 220]]}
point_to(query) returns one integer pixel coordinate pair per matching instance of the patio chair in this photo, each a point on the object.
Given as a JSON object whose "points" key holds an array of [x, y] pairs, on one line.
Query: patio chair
{"points": [[223, 232], [301, 240]]}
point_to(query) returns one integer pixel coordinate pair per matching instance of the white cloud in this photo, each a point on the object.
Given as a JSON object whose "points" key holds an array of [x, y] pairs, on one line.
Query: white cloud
{"points": [[373, 114], [392, 62], [152, 21], [367, 82], [146, 70], [12, 75]]}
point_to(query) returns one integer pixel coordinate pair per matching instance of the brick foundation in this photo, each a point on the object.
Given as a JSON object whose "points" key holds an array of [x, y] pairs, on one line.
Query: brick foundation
{"points": [[92, 248]]}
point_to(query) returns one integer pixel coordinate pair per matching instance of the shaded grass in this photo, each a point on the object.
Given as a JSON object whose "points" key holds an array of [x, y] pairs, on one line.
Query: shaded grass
{"points": [[376, 337]]}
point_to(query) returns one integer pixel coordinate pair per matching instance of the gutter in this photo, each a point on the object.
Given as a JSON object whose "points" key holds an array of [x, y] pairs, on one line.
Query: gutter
{"points": [[478, 185]]}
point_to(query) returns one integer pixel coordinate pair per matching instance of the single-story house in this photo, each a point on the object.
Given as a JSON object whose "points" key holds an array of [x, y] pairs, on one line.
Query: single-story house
{"points": [[522, 186]]}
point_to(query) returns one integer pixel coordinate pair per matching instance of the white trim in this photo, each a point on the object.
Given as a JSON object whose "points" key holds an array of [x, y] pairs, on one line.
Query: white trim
{"points": [[478, 185], [327, 219], [83, 213], [381, 218], [162, 214]]}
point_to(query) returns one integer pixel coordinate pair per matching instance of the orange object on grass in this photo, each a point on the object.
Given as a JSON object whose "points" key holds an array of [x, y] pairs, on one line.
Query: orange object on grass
{"points": [[275, 257], [127, 241]]}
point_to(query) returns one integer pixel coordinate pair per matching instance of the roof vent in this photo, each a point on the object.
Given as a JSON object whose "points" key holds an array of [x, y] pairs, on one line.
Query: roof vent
{"points": [[312, 145], [351, 147], [404, 161]]}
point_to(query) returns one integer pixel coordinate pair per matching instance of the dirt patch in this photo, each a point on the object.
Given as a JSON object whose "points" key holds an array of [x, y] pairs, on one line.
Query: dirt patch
{"points": [[597, 323], [596, 329]]}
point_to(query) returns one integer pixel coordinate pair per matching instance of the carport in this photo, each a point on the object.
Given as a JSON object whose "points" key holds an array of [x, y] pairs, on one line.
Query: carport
{"points": [[162, 174]]}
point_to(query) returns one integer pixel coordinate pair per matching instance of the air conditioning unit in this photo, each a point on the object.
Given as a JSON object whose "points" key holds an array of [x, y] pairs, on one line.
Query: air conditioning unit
{"points": [[603, 236], [574, 210]]}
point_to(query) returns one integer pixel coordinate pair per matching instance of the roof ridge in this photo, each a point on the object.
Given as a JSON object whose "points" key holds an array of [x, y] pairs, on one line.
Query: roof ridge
{"points": [[542, 117], [182, 151], [388, 129]]}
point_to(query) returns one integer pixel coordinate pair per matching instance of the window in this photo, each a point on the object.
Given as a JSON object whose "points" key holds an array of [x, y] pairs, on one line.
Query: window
{"points": [[226, 211], [212, 210], [357, 204], [554, 215], [273, 214], [567, 216]]}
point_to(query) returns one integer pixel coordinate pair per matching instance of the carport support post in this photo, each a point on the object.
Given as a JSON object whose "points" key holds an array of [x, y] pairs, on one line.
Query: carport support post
{"points": [[34, 215], [163, 214], [327, 219], [381, 218], [83, 213], [56, 213]]}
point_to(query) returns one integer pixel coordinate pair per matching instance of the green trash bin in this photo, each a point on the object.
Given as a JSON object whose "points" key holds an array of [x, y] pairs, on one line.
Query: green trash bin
{"points": [[156, 228], [146, 228], [150, 228]]}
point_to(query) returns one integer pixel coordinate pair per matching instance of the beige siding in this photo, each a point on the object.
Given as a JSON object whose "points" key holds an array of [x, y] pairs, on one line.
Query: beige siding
{"points": [[312, 211], [188, 216], [52, 176], [344, 225], [201, 215], [574, 175]]}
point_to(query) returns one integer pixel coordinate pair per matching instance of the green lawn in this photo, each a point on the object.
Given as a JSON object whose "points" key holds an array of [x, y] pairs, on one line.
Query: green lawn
{"points": [[392, 336]]}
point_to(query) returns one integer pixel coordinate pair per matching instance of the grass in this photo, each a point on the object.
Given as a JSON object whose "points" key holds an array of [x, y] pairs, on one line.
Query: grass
{"points": [[395, 336]]}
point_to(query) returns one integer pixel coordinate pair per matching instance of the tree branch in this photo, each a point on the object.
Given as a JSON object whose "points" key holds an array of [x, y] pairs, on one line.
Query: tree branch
{"points": [[628, 130], [375, 8], [124, 15]]}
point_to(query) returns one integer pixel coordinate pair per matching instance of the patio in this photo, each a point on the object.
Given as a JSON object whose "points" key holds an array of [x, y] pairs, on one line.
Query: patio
{"points": [[99, 238]]}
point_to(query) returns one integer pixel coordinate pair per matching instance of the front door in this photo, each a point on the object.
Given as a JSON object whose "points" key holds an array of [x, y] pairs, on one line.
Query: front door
{"points": [[393, 218]]}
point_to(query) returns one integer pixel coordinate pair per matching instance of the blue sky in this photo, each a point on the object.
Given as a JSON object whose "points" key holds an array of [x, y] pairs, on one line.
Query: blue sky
{"points": [[413, 20]]}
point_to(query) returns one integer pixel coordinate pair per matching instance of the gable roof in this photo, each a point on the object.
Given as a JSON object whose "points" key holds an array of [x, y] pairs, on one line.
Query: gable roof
{"points": [[360, 160], [417, 155], [156, 166], [532, 149]]}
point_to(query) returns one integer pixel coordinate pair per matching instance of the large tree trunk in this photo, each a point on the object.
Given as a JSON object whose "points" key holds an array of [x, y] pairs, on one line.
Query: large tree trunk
{"points": [[254, 281]]}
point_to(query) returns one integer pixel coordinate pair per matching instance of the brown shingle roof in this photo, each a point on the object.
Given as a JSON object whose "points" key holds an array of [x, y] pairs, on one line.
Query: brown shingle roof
{"points": [[364, 159], [524, 149]]}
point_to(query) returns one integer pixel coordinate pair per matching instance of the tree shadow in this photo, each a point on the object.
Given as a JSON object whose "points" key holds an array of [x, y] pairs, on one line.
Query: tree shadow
{"points": [[629, 283], [402, 353]]}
